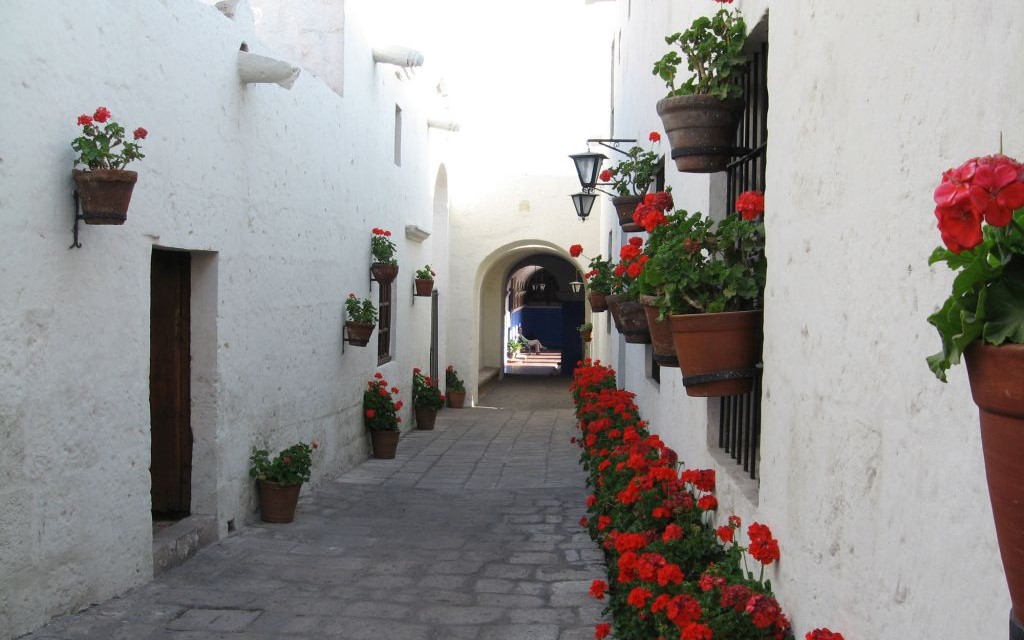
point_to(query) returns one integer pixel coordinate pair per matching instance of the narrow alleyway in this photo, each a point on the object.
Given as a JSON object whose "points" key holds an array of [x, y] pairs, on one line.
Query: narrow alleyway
{"points": [[470, 533]]}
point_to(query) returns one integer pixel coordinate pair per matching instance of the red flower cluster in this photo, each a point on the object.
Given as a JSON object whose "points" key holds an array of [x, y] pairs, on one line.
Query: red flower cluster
{"points": [[674, 574], [631, 259], [750, 204], [650, 213], [381, 232], [605, 176], [576, 250], [989, 188], [654, 136], [823, 634]]}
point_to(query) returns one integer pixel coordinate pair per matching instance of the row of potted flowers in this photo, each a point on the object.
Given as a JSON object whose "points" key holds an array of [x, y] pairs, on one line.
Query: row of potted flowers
{"points": [[672, 572], [693, 291]]}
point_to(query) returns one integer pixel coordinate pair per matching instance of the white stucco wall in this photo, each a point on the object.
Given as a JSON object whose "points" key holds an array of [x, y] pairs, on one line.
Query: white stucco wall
{"points": [[278, 190], [871, 470]]}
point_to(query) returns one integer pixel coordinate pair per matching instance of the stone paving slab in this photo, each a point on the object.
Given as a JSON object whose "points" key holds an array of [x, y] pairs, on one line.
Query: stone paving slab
{"points": [[471, 533]]}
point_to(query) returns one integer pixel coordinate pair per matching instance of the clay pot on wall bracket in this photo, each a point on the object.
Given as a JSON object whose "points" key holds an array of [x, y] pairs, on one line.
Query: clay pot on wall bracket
{"points": [[598, 302], [456, 399], [424, 287], [104, 194], [277, 501], [718, 352], [701, 130], [385, 444], [587, 335], [359, 332], [624, 207], [997, 385], [384, 273], [661, 334], [425, 418], [629, 320]]}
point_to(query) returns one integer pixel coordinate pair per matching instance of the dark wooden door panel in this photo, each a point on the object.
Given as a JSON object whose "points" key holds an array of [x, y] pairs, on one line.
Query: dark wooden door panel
{"points": [[169, 393]]}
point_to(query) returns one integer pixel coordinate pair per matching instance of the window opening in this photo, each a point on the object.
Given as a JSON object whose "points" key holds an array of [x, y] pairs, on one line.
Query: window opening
{"points": [[384, 323]]}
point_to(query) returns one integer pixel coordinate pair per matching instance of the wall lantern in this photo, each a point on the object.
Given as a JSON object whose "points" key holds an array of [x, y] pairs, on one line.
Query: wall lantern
{"points": [[588, 168], [576, 285]]}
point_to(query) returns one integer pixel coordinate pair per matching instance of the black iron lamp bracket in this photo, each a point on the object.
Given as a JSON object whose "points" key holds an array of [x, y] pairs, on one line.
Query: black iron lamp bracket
{"points": [[75, 244], [611, 143]]}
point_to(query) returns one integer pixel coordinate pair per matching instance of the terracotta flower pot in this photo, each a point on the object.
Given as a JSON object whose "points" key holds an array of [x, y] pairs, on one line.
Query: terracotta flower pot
{"points": [[624, 207], [718, 352], [104, 194], [629, 320], [424, 287], [661, 334], [385, 443], [598, 302], [587, 335], [701, 130], [384, 273], [456, 399], [997, 385], [425, 418], [359, 332], [277, 501]]}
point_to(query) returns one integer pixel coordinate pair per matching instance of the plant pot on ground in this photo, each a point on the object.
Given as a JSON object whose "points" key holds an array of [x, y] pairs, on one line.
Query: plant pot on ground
{"points": [[380, 416], [280, 479], [455, 388], [426, 398]]}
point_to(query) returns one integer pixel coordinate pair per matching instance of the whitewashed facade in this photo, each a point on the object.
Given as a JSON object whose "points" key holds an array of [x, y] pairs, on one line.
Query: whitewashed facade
{"points": [[274, 193], [871, 472]]}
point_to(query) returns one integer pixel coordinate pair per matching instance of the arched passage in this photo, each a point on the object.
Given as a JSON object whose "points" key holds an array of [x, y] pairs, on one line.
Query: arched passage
{"points": [[508, 300]]}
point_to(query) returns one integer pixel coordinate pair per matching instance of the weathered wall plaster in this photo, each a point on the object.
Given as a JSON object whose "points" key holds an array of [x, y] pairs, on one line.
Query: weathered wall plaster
{"points": [[871, 470], [275, 191]]}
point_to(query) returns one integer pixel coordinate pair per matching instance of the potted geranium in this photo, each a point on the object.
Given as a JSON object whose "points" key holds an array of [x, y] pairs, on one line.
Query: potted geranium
{"points": [[623, 302], [700, 114], [630, 179], [280, 479], [980, 212], [105, 186], [455, 388], [427, 399], [380, 415], [708, 279], [599, 279], [425, 281], [362, 318], [586, 330], [514, 347], [384, 266]]}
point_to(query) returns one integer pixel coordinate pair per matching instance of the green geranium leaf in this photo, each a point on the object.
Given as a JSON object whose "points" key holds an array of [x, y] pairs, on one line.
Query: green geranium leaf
{"points": [[1005, 312]]}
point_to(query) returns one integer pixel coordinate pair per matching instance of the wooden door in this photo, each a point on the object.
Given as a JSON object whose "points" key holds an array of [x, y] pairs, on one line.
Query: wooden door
{"points": [[169, 392]]}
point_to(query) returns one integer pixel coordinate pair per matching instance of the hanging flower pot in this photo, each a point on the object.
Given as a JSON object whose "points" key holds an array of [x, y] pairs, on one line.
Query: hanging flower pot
{"points": [[104, 194], [383, 273], [629, 320], [424, 287], [661, 334], [598, 302], [718, 352], [587, 335], [359, 333], [997, 385], [701, 130], [624, 207]]}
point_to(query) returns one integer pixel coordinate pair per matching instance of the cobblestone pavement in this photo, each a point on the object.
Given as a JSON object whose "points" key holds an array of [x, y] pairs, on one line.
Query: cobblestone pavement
{"points": [[469, 534]]}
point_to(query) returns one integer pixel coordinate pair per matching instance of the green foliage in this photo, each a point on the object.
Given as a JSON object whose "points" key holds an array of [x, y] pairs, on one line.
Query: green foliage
{"points": [[426, 273], [380, 411], [586, 326], [515, 345], [987, 298], [452, 381], [599, 278], [360, 310], [97, 147], [698, 267], [292, 466], [633, 175], [382, 247], [424, 392], [712, 48]]}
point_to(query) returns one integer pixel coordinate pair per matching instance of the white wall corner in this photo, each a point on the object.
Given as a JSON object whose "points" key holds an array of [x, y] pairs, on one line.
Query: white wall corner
{"points": [[254, 68], [416, 233]]}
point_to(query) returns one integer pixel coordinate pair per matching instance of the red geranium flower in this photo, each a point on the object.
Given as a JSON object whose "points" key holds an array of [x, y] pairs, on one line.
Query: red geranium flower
{"points": [[576, 250], [602, 630], [102, 115], [140, 133], [598, 588], [605, 176], [371, 413], [724, 533], [750, 204], [84, 120], [654, 136], [823, 634]]}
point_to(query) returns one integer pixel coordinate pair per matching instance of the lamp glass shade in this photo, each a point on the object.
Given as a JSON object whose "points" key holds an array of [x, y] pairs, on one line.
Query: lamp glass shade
{"points": [[576, 286], [583, 202], [588, 166]]}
